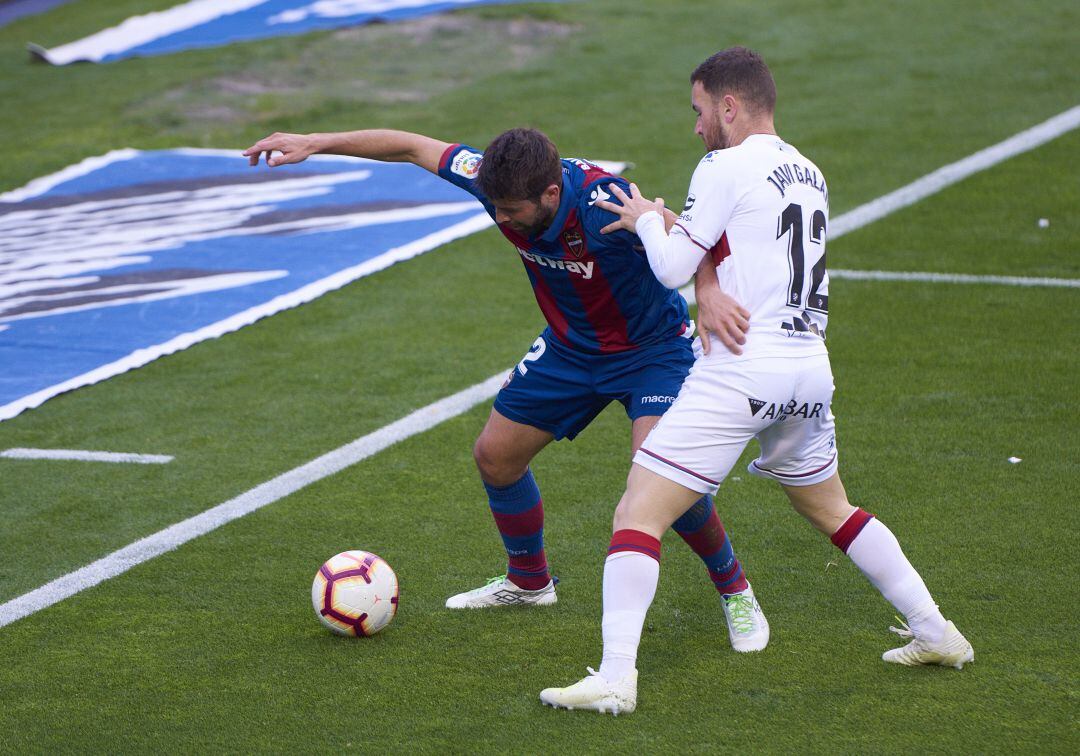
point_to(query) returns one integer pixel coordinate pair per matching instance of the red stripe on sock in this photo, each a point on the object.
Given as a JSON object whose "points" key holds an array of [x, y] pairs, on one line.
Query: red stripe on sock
{"points": [[521, 524], [536, 565], [850, 530], [728, 583], [634, 540]]}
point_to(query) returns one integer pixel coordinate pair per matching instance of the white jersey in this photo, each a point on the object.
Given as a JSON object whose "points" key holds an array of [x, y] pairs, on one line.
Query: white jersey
{"points": [[761, 210]]}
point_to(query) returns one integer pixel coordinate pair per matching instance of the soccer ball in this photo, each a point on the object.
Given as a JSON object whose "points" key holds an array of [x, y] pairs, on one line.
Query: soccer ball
{"points": [[355, 593]]}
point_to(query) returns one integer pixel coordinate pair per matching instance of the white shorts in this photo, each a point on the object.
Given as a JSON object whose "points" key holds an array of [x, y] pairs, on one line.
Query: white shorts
{"points": [[783, 402]]}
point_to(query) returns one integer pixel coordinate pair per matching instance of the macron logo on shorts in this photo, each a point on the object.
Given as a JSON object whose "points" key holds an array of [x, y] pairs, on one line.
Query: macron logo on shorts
{"points": [[657, 399]]}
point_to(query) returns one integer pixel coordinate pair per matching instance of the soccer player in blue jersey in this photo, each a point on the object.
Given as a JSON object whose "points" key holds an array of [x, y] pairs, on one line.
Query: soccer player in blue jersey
{"points": [[615, 333]]}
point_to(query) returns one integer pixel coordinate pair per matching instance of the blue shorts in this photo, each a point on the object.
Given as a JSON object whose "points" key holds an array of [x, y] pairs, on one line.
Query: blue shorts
{"points": [[561, 390]]}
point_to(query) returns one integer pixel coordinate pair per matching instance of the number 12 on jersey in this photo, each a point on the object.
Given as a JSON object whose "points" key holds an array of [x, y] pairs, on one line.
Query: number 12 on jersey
{"points": [[790, 224]]}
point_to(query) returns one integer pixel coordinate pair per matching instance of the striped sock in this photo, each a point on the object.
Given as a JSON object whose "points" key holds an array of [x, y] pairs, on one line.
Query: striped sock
{"points": [[701, 528], [519, 515], [630, 576]]}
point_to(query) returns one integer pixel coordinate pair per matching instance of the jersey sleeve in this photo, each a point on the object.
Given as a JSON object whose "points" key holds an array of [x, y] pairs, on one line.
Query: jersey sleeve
{"points": [[673, 257], [709, 203], [594, 218], [460, 165]]}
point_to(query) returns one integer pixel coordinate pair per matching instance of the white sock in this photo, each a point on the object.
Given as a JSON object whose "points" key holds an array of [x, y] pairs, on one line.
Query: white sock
{"points": [[877, 553], [629, 587]]}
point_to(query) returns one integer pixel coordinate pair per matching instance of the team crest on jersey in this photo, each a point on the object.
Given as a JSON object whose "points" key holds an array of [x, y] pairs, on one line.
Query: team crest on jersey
{"points": [[574, 242], [466, 164]]}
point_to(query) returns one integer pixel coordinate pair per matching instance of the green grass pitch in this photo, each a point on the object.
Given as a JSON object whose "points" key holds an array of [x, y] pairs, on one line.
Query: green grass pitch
{"points": [[214, 647]]}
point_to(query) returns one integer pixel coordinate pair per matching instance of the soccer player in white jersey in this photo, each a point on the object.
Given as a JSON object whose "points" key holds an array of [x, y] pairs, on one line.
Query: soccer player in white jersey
{"points": [[760, 209]]}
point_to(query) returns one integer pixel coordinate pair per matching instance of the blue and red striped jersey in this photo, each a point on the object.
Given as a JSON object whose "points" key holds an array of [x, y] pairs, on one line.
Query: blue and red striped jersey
{"points": [[596, 291]]}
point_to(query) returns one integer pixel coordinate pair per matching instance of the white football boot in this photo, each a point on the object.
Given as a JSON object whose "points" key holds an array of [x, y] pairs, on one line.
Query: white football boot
{"points": [[499, 591], [595, 693], [953, 650], [747, 627]]}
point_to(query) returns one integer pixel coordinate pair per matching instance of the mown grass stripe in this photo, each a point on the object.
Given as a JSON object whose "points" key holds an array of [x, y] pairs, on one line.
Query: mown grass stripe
{"points": [[176, 535]]}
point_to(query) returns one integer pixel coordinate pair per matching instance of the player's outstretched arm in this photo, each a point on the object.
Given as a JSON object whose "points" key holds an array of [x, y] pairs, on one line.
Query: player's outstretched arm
{"points": [[718, 314], [374, 144]]}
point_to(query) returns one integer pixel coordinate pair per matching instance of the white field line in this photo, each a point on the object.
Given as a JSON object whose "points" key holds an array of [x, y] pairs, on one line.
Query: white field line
{"points": [[934, 182], [423, 419], [86, 456], [170, 538], [959, 278], [952, 278]]}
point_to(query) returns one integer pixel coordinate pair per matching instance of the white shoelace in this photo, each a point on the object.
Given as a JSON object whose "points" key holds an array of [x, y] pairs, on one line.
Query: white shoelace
{"points": [[904, 632]]}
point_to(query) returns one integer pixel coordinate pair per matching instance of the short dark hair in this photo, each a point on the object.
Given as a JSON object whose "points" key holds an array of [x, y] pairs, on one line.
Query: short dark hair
{"points": [[519, 165], [740, 71]]}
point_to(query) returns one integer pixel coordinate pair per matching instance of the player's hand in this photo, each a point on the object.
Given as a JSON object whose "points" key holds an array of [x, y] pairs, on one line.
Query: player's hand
{"points": [[632, 208], [721, 316], [293, 148]]}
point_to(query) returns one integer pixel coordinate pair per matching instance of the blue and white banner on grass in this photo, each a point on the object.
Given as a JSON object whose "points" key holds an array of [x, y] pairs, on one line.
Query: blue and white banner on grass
{"points": [[124, 258], [212, 23]]}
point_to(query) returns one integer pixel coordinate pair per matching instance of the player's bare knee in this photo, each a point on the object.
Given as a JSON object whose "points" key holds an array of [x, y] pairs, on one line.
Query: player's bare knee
{"points": [[486, 458], [634, 513], [496, 468]]}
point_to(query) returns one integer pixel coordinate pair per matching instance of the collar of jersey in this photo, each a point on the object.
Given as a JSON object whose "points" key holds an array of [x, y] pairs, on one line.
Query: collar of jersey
{"points": [[567, 200], [762, 138]]}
